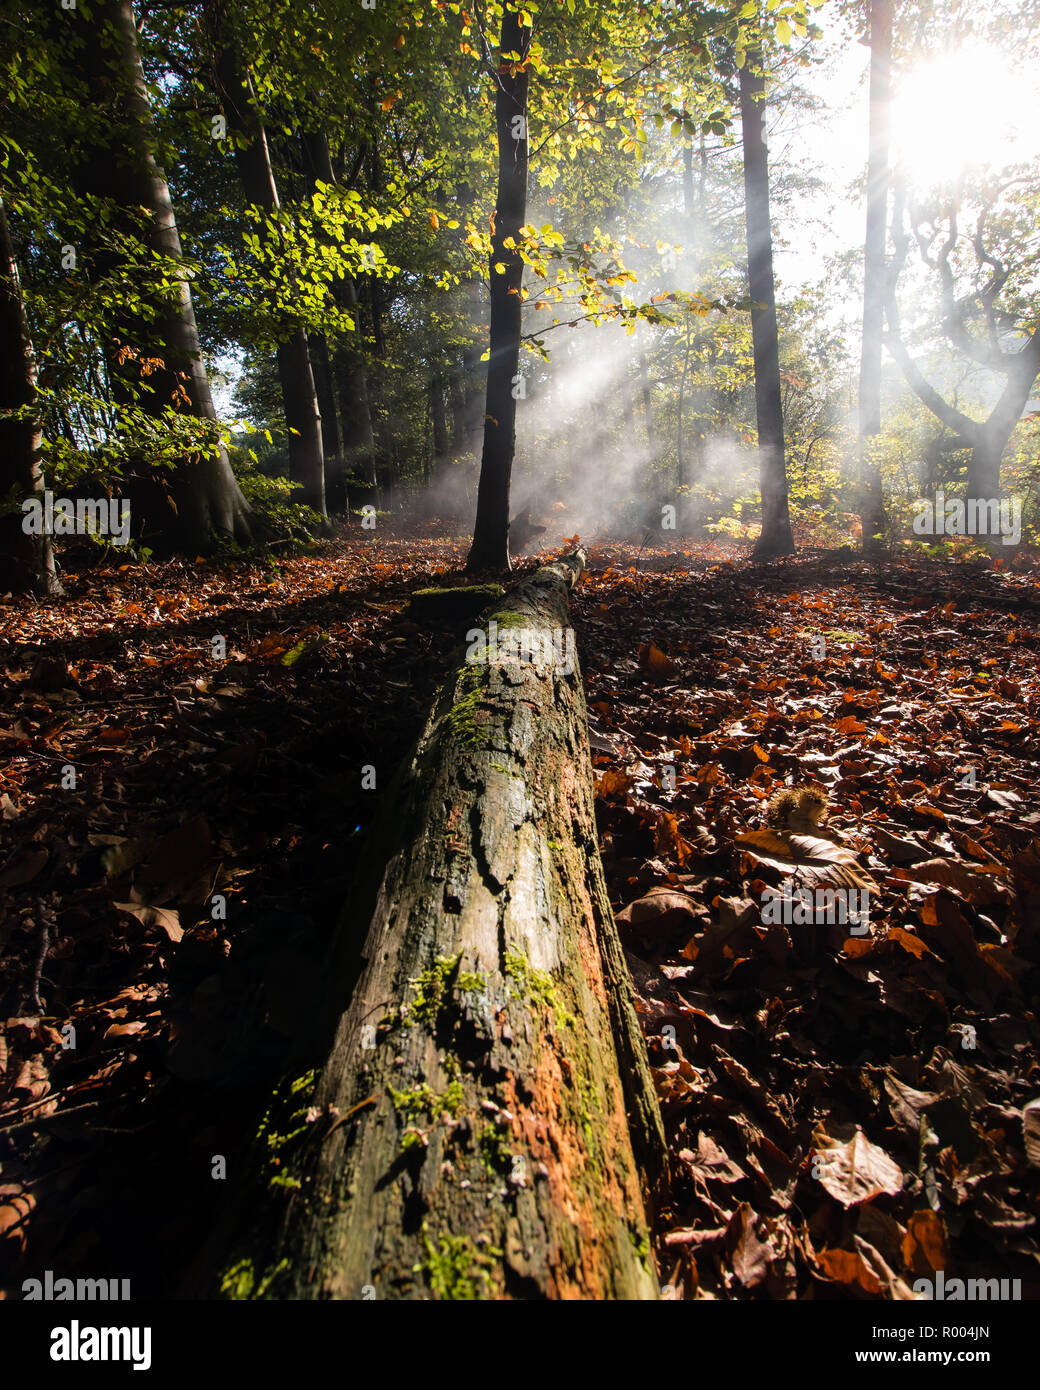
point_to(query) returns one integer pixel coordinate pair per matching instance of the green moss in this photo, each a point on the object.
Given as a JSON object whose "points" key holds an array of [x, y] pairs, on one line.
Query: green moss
{"points": [[454, 1268], [510, 617], [537, 985], [239, 1281], [641, 1245], [462, 719], [424, 1100], [286, 1117], [467, 591], [434, 987], [495, 1156]]}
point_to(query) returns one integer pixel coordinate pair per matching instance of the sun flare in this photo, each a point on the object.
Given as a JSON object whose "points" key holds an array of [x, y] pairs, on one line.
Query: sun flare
{"points": [[969, 109]]}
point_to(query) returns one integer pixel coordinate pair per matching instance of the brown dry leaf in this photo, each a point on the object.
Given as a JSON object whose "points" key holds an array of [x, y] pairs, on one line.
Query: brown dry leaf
{"points": [[122, 1030], [909, 942], [652, 659], [891, 1285], [15, 1209], [848, 1267], [149, 916], [850, 725], [33, 1080], [899, 849], [1031, 1131], [819, 861], [856, 1170], [906, 1104], [22, 867], [925, 1247], [750, 1257], [667, 838], [980, 889], [661, 908], [610, 781], [113, 738], [178, 864], [855, 946], [711, 1162]]}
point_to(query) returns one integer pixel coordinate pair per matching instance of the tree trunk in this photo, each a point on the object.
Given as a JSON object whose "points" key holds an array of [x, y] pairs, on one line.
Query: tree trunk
{"points": [[127, 170], [490, 549], [487, 1097], [354, 438], [26, 561], [299, 397], [776, 537], [987, 438], [359, 445], [871, 499], [648, 414], [439, 427]]}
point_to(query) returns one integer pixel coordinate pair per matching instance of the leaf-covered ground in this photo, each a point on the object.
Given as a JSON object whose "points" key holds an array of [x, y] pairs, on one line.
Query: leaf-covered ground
{"points": [[844, 1107], [845, 1112]]}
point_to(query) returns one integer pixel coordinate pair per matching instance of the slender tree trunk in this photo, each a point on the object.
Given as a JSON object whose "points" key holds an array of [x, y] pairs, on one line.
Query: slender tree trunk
{"points": [[321, 368], [352, 378], [126, 169], [26, 561], [871, 499], [485, 1119], [680, 466], [648, 413], [438, 420], [331, 433], [299, 396], [626, 403], [457, 401], [776, 537], [490, 549], [356, 443]]}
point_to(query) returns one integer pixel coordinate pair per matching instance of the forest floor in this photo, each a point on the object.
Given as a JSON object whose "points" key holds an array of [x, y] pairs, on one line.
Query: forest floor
{"points": [[844, 1110]]}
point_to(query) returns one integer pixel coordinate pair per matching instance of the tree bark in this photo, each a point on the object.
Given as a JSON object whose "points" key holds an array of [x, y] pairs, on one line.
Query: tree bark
{"points": [[299, 396], [357, 440], [871, 499], [489, 1089], [209, 500], [648, 412], [490, 548], [439, 429], [775, 537], [26, 561]]}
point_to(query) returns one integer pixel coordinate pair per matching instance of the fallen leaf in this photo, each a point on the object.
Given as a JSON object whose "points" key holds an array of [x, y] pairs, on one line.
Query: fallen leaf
{"points": [[855, 1170]]}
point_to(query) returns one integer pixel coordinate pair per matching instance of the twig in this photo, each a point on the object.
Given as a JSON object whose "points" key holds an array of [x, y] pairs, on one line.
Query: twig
{"points": [[57, 1115], [45, 946]]}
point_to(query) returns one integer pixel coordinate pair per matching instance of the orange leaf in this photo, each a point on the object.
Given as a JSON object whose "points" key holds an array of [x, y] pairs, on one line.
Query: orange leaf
{"points": [[848, 1267], [851, 725], [924, 1245], [652, 659]]}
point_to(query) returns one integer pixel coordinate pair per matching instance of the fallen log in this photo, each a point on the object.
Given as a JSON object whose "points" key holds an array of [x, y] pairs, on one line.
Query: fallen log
{"points": [[485, 1125]]}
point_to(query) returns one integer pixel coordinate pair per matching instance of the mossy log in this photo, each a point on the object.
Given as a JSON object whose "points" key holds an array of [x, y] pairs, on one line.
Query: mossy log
{"points": [[485, 1125], [451, 608]]}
